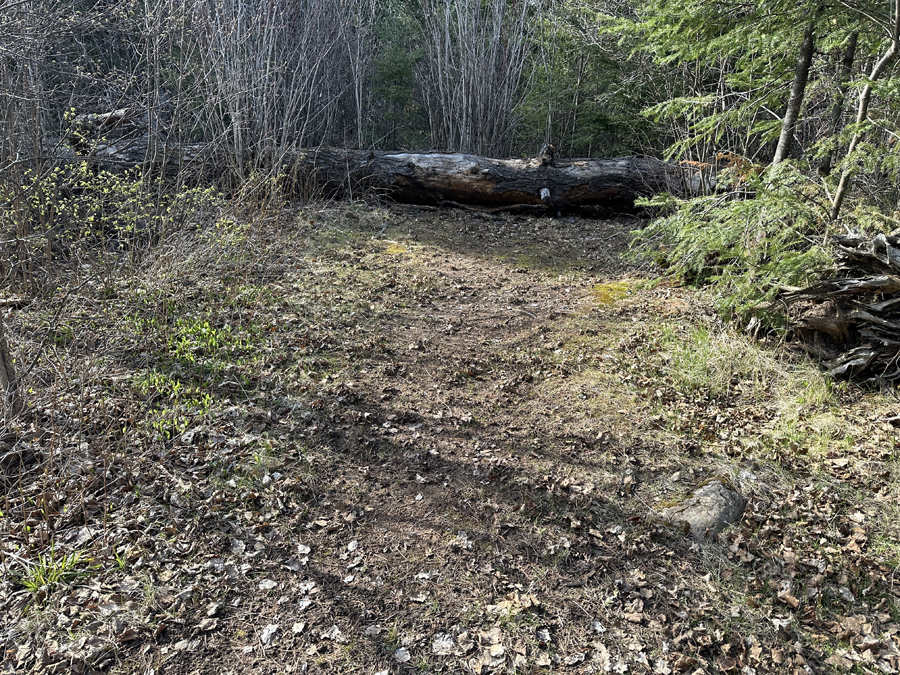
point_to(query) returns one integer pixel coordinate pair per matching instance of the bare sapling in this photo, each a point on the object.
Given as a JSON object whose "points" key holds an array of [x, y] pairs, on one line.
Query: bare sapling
{"points": [[9, 389], [474, 72]]}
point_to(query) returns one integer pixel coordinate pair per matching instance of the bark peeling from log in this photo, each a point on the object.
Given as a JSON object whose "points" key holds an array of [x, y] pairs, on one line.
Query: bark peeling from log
{"points": [[435, 178]]}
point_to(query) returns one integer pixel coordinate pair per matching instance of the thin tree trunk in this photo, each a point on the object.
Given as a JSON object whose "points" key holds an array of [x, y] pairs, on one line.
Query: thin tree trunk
{"points": [[792, 114], [473, 72], [837, 107], [863, 111], [9, 390]]}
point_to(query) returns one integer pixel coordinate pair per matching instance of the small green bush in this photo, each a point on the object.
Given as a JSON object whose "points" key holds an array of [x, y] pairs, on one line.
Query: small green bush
{"points": [[745, 245], [72, 208]]}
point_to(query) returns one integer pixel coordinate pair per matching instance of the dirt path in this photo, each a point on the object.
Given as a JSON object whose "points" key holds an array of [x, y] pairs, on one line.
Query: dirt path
{"points": [[360, 440]]}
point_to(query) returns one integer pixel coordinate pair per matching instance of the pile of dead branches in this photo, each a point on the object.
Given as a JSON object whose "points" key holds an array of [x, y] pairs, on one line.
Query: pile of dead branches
{"points": [[853, 322]]}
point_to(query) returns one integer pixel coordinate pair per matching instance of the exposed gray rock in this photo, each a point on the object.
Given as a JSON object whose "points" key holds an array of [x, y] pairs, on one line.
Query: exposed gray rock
{"points": [[708, 509]]}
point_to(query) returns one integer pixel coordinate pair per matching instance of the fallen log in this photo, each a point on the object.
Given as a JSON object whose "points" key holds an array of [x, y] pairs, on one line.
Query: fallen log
{"points": [[544, 183], [441, 178]]}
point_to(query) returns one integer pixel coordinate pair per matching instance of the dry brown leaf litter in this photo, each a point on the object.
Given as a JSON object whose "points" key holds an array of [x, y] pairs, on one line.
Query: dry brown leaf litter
{"points": [[359, 440]]}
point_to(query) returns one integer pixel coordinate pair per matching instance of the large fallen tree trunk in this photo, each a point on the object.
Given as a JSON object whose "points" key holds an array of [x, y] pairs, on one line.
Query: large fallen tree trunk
{"points": [[437, 178], [542, 183], [853, 323]]}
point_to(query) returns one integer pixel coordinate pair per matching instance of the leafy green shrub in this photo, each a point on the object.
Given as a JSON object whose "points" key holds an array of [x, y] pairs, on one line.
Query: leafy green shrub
{"points": [[71, 208], [744, 245]]}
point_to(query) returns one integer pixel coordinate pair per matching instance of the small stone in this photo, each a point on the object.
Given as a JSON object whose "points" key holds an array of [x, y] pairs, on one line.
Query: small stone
{"points": [[443, 644], [402, 655], [707, 510], [268, 633]]}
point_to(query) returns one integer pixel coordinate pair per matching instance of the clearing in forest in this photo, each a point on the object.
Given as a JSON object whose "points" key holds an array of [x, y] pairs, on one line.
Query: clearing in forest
{"points": [[363, 440]]}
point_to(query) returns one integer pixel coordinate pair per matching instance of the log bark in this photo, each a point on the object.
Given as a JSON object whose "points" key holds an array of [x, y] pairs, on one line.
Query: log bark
{"points": [[852, 323], [430, 178], [438, 178]]}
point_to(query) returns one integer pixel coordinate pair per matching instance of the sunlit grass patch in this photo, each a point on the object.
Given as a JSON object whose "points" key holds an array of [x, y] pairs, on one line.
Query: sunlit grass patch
{"points": [[716, 361], [610, 292], [52, 569], [885, 542], [393, 248]]}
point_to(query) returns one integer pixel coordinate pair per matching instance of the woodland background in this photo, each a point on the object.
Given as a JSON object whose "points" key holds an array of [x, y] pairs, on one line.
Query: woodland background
{"points": [[491, 77]]}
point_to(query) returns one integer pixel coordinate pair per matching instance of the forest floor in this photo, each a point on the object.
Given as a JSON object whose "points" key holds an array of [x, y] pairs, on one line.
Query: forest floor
{"points": [[361, 439]]}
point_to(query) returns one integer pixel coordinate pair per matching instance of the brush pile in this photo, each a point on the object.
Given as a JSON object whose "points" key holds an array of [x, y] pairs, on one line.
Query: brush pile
{"points": [[852, 322]]}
